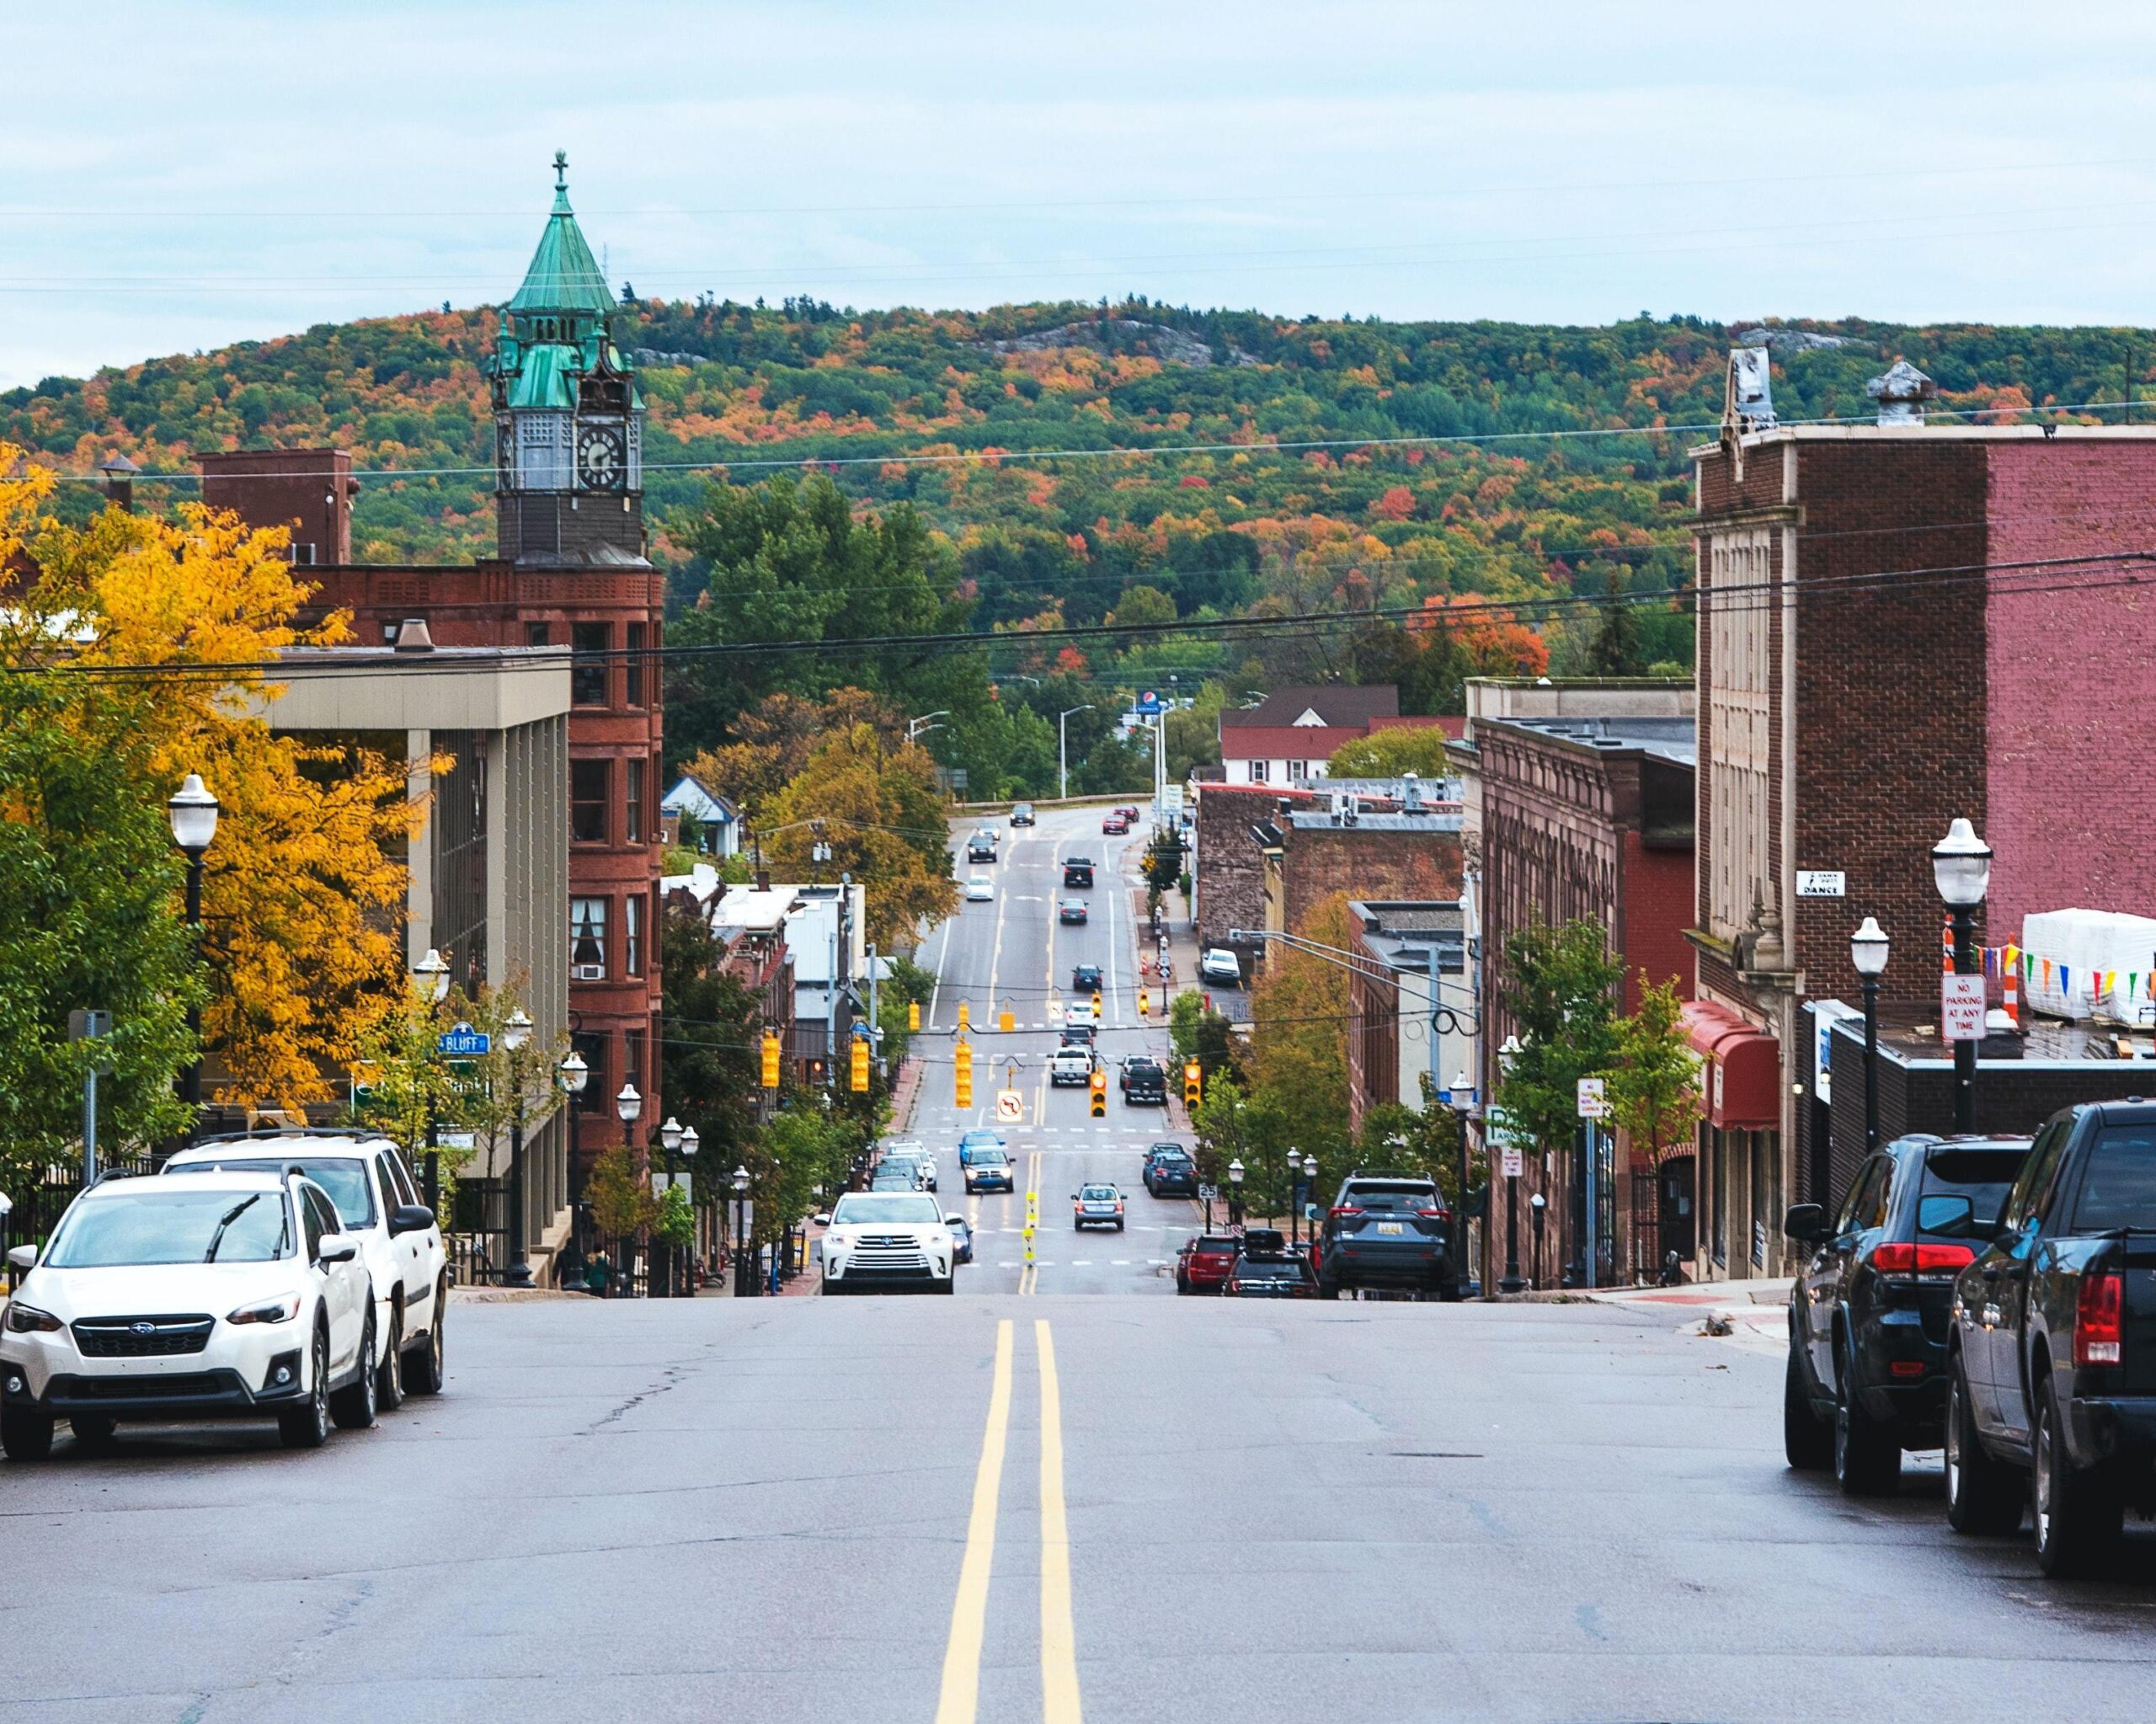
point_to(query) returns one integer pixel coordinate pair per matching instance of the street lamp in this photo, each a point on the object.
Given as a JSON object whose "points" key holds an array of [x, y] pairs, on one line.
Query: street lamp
{"points": [[1294, 1194], [1235, 1193], [193, 813], [1461, 1097], [744, 1284], [1868, 952], [516, 1036], [1537, 1205], [1960, 868], [431, 977], [1508, 1053], [627, 1105], [1062, 765], [917, 727], [670, 1140], [571, 1074]]}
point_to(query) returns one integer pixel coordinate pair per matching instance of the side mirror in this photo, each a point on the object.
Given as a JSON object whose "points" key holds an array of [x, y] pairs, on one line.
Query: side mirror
{"points": [[410, 1218], [23, 1258], [1806, 1223], [823, 1219], [336, 1248]]}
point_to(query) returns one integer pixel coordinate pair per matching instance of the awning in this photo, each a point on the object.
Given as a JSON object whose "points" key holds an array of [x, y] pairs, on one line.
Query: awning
{"points": [[1743, 1075]]}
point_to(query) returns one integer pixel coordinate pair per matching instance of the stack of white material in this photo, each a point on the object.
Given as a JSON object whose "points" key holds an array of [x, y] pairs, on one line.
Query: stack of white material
{"points": [[2100, 964]]}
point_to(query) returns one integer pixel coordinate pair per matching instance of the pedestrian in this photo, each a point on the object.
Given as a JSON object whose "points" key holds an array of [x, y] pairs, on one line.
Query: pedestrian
{"points": [[597, 1274]]}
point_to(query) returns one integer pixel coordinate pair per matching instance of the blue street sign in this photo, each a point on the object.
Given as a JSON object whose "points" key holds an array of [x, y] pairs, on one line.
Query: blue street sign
{"points": [[462, 1042]]}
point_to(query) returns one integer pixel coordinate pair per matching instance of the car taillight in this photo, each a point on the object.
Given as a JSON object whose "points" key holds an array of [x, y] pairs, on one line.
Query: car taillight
{"points": [[1341, 1210], [2097, 1320], [1897, 1258], [1436, 1211]]}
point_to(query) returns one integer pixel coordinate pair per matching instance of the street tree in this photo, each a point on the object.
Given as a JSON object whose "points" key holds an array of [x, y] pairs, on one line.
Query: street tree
{"points": [[1298, 1042], [709, 1059], [1654, 1080], [1558, 986]]}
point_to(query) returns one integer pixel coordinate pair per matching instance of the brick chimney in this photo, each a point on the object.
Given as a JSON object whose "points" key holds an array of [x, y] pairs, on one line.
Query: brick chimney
{"points": [[309, 491]]}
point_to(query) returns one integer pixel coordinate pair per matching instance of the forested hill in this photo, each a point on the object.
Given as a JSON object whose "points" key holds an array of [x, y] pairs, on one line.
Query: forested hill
{"points": [[740, 384]]}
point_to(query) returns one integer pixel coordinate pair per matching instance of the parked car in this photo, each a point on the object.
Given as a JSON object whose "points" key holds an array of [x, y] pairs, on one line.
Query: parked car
{"points": [[1115, 824], [962, 1238], [1072, 909], [980, 889], [2051, 1392], [1022, 813], [1868, 1315], [1078, 871], [1086, 978], [989, 1169], [1072, 1063], [1221, 967], [1386, 1230], [1265, 1269], [1169, 1171], [875, 1240], [1203, 1263], [222, 1296], [379, 1205], [1144, 1084], [914, 1166], [1098, 1205]]}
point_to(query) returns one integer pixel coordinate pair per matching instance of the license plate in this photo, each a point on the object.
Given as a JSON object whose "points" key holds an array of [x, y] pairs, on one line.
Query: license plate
{"points": [[1388, 1227]]}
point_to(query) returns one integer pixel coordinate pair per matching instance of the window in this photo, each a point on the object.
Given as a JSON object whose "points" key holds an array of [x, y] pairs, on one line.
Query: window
{"points": [[1298, 771], [588, 644], [538, 634], [635, 696], [1738, 639], [632, 936], [303, 555], [588, 788], [312, 1222], [632, 1063], [587, 940], [596, 1096], [1257, 771], [635, 834], [386, 1169]]}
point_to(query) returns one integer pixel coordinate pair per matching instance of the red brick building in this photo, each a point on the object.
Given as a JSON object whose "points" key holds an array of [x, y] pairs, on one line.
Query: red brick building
{"points": [[1899, 624], [571, 570]]}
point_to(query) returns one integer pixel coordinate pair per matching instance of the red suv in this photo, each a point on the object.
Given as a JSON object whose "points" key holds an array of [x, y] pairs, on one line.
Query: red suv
{"points": [[1202, 1264]]}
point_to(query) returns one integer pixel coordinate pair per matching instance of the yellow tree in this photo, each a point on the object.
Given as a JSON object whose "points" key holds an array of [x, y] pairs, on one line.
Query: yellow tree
{"points": [[1298, 1042]]}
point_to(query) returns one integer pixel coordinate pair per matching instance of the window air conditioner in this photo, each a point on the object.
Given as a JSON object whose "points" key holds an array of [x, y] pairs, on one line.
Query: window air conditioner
{"points": [[587, 971]]}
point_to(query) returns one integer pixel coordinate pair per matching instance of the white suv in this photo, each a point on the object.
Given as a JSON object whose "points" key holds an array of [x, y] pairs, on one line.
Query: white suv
{"points": [[400, 1243], [227, 1295], [876, 1239]]}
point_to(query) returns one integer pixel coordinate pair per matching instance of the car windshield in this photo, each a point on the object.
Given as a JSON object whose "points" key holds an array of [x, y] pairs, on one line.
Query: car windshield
{"points": [[2119, 1189], [345, 1180], [901, 1158], [855, 1208], [989, 1158], [166, 1224], [1270, 1269], [1392, 1198], [1226, 1245], [1170, 1152], [1098, 1194]]}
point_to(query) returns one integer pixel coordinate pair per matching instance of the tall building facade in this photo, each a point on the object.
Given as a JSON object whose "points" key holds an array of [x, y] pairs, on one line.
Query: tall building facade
{"points": [[571, 571]]}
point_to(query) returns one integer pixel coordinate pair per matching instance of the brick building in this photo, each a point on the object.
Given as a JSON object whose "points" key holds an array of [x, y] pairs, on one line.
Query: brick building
{"points": [[1310, 852], [570, 571], [1413, 959], [1591, 819], [1899, 624], [1227, 869]]}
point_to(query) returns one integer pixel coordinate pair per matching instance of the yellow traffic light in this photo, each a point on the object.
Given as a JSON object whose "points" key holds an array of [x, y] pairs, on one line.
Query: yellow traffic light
{"points": [[771, 1059], [1193, 1083], [1096, 1008], [860, 1065], [1143, 1005], [965, 1016], [1100, 1107], [913, 1014], [962, 1073]]}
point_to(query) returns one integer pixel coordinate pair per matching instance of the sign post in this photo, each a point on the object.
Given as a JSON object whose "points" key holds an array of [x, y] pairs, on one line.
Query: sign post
{"points": [[1593, 1106]]}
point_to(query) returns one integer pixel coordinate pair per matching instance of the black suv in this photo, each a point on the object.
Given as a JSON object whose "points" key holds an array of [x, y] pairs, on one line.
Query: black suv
{"points": [[1022, 813], [1868, 1314], [1169, 1172], [1086, 978], [2052, 1346], [1386, 1230], [1144, 1081], [1078, 871], [980, 850]]}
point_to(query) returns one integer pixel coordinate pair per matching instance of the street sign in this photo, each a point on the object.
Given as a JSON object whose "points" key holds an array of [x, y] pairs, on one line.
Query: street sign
{"points": [[454, 1140], [1822, 883], [460, 1041], [1208, 1194], [1010, 1107], [1515, 1161], [1961, 1008], [1594, 1098]]}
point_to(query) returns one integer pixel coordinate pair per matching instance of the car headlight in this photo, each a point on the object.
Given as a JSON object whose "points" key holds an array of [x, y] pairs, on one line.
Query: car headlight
{"points": [[282, 1309], [23, 1318]]}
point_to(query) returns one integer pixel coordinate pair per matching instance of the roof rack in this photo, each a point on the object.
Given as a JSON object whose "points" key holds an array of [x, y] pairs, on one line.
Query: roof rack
{"points": [[260, 1133]]}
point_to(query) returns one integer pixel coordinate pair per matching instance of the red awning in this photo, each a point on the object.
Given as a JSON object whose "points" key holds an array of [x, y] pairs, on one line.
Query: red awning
{"points": [[1743, 1075]]}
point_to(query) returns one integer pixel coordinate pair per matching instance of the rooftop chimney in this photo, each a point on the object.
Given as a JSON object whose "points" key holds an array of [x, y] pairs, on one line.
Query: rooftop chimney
{"points": [[119, 474], [412, 636], [1411, 792], [1901, 392]]}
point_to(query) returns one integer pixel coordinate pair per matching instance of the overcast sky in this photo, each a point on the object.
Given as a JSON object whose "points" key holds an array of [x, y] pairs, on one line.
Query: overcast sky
{"points": [[175, 176]]}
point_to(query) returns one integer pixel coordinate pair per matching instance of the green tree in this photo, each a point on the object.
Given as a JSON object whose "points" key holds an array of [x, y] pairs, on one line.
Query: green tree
{"points": [[1558, 985], [1615, 649], [709, 1058], [1387, 754], [1144, 605], [1654, 1078]]}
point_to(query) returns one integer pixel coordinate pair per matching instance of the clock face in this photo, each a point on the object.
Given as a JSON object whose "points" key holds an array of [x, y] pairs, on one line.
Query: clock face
{"points": [[599, 457]]}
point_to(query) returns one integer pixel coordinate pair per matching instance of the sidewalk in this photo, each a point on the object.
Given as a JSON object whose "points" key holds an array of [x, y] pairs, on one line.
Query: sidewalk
{"points": [[1753, 1314]]}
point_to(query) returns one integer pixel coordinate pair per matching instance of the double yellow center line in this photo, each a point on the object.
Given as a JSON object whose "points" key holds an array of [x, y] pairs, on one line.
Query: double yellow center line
{"points": [[960, 1697]]}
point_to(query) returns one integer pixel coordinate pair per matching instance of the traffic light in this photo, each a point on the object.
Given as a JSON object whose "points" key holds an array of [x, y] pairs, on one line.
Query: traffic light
{"points": [[962, 1073], [1096, 1008], [965, 1016], [860, 1075], [771, 1059], [1143, 1006], [1100, 1107], [1193, 1083], [913, 1014]]}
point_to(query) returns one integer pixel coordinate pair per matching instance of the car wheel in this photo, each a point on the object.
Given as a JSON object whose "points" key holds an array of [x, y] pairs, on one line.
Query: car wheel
{"points": [[1182, 1284], [1982, 1495], [94, 1432], [25, 1434], [428, 1370], [1807, 1439], [307, 1427], [389, 1380], [353, 1406], [1867, 1454], [2078, 1513]]}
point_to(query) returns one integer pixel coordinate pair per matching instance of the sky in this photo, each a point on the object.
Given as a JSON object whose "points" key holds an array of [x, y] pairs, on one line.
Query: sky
{"points": [[175, 177]]}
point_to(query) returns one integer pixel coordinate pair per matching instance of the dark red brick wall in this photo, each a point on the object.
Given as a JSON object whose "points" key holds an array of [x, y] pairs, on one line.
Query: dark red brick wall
{"points": [[1656, 886], [1366, 864], [309, 491]]}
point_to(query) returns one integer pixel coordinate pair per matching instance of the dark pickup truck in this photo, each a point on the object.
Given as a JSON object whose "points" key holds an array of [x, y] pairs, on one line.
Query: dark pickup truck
{"points": [[2050, 1394], [1145, 1082]]}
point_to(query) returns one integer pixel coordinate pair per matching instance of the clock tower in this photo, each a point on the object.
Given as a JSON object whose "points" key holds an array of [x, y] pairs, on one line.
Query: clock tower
{"points": [[569, 423]]}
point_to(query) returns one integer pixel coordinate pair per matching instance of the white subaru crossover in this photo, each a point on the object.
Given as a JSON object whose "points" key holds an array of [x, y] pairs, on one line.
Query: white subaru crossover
{"points": [[223, 1295], [377, 1204]]}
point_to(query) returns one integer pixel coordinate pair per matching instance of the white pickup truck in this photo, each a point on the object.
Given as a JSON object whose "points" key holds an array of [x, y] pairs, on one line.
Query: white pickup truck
{"points": [[1070, 1065]]}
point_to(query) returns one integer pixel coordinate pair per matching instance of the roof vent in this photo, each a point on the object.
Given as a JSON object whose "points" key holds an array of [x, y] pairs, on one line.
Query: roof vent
{"points": [[1901, 391], [1411, 792], [412, 636]]}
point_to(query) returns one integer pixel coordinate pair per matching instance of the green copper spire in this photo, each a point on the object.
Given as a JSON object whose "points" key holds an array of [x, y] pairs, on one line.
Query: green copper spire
{"points": [[564, 277]]}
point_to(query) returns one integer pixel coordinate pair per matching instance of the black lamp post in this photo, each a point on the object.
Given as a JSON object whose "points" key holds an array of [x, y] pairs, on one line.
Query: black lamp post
{"points": [[572, 1074], [1537, 1205], [1512, 1282], [516, 1036], [744, 1283], [670, 1140], [1961, 867], [1235, 1194], [1868, 952], [1461, 1098], [193, 813], [690, 1144], [1309, 1194], [1294, 1195], [431, 976], [627, 1105]]}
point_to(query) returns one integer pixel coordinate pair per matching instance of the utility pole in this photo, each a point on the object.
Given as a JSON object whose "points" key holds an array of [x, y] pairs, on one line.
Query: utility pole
{"points": [[1062, 756]]}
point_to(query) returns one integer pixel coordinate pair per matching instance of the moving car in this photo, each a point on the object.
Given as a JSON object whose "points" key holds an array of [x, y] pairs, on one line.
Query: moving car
{"points": [[962, 1239], [1203, 1263], [1129, 813], [1386, 1230], [222, 1296], [980, 848], [1266, 1269], [877, 1240], [2050, 1395], [1072, 909], [1143, 1082], [1086, 978], [989, 1169], [971, 1143], [915, 1166], [1022, 813], [1098, 1205], [980, 889], [1077, 871], [377, 1204], [1221, 966], [1868, 1315], [1078, 1020], [1072, 1063], [1169, 1171], [1115, 824]]}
